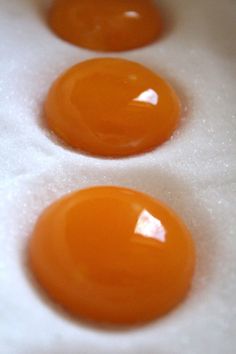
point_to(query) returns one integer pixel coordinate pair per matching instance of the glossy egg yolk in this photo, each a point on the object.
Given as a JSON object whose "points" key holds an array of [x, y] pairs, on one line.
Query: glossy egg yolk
{"points": [[112, 107], [106, 25], [112, 255]]}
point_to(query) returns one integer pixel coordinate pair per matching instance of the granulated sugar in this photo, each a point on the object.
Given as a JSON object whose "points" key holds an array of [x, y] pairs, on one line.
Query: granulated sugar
{"points": [[194, 173]]}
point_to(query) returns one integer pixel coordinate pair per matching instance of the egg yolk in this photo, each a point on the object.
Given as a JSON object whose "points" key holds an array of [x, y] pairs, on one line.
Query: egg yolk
{"points": [[106, 25], [112, 255], [112, 107]]}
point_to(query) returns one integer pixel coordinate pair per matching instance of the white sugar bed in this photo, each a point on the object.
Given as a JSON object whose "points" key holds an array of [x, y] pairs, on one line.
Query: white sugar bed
{"points": [[195, 173]]}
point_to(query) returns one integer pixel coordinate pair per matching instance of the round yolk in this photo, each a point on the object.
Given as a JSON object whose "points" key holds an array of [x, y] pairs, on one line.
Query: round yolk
{"points": [[112, 107], [106, 25], [112, 255]]}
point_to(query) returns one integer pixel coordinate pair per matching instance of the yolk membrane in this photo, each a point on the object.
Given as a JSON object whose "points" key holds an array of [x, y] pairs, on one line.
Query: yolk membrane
{"points": [[112, 255], [106, 25], [112, 107]]}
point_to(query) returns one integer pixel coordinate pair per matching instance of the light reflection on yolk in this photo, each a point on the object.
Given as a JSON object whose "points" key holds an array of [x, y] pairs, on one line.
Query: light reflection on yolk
{"points": [[148, 96], [148, 226], [112, 255], [106, 25], [112, 107]]}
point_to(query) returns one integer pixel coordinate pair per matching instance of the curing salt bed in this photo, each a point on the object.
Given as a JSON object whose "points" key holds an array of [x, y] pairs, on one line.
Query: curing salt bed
{"points": [[194, 173]]}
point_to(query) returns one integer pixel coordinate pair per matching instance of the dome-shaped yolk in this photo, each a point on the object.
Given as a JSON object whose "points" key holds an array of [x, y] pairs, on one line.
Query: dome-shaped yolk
{"points": [[112, 107], [106, 25], [113, 255]]}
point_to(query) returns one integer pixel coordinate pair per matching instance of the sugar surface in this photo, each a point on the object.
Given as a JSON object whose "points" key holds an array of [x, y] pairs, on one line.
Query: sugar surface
{"points": [[194, 173]]}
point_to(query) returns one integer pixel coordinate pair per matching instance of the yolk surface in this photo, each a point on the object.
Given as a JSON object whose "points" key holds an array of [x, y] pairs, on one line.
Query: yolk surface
{"points": [[106, 25], [112, 255], [112, 107]]}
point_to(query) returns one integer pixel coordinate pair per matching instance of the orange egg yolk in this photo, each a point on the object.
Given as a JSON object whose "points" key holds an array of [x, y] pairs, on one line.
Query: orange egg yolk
{"points": [[112, 107], [106, 25], [112, 255]]}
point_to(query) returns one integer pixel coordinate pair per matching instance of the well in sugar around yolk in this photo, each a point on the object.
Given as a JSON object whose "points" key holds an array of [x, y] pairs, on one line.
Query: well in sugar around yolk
{"points": [[112, 107], [106, 25], [112, 255]]}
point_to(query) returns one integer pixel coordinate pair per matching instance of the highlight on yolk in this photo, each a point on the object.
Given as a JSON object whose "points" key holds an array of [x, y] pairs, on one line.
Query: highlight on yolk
{"points": [[112, 107], [106, 25], [112, 255]]}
